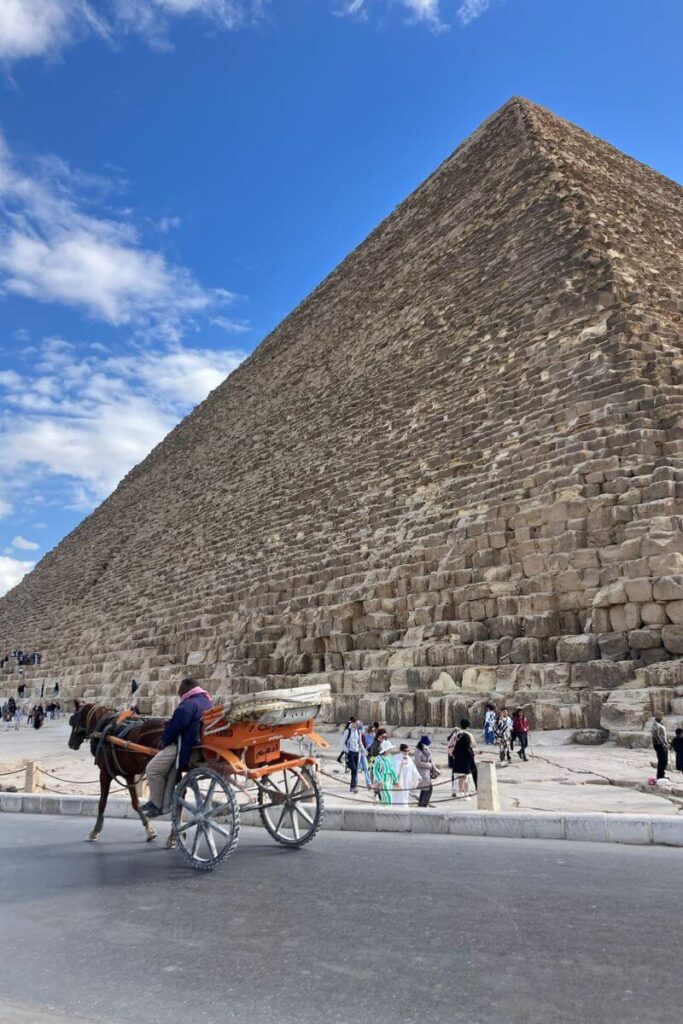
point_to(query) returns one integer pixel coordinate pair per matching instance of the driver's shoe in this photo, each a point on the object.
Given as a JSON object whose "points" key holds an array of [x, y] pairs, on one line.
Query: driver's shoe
{"points": [[150, 810]]}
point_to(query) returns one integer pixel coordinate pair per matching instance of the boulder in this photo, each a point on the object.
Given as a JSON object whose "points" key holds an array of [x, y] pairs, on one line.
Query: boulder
{"points": [[613, 646], [624, 617], [641, 639], [668, 588], [672, 638], [578, 648], [590, 737], [674, 610], [626, 710]]}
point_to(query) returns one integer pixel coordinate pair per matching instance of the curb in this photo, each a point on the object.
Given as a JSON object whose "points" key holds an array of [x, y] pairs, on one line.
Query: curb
{"points": [[592, 827]]}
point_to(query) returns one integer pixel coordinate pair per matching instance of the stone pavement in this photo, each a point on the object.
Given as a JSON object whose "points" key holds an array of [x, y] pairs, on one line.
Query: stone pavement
{"points": [[561, 776]]}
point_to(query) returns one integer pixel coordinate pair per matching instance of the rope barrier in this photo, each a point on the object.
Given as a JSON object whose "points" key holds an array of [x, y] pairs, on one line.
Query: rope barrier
{"points": [[17, 771]]}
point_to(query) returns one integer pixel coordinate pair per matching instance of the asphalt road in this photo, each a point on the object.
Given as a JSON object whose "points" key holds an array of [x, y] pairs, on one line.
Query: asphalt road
{"points": [[356, 928]]}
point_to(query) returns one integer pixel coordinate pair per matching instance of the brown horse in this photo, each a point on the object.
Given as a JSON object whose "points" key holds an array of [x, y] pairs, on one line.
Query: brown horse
{"points": [[88, 723]]}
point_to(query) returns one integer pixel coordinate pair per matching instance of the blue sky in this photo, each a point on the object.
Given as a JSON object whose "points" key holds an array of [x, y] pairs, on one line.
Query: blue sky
{"points": [[176, 175]]}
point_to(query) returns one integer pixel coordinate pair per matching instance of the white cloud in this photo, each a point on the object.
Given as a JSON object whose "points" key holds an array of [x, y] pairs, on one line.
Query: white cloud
{"points": [[229, 325], [37, 28], [81, 422], [23, 544], [470, 10], [53, 248], [12, 570], [31, 28], [5, 508]]}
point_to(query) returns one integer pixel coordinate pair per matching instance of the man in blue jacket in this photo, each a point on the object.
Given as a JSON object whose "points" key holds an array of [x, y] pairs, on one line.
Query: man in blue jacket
{"points": [[182, 730]]}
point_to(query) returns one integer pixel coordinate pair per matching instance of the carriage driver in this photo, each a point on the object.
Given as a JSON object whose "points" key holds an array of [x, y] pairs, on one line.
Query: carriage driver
{"points": [[182, 729]]}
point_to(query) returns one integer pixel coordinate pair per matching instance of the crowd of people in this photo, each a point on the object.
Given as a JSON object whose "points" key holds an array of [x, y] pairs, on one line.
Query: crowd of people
{"points": [[392, 773], [13, 713], [21, 658]]}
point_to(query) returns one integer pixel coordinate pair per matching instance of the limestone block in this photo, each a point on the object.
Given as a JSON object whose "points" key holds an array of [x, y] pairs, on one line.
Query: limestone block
{"points": [[11, 801], [642, 639], [639, 590], [578, 648], [628, 828], [667, 831], [429, 821], [397, 819], [466, 823], [669, 588], [525, 649], [613, 646], [586, 827], [360, 819], [615, 593], [672, 638], [478, 680], [602, 675], [590, 737], [487, 787], [674, 610], [445, 683], [624, 617], [660, 700], [543, 826], [508, 825], [653, 614], [333, 819], [663, 565], [543, 625], [626, 710]]}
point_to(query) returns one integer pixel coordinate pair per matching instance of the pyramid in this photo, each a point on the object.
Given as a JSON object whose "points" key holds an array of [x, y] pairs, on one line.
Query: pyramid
{"points": [[453, 473]]}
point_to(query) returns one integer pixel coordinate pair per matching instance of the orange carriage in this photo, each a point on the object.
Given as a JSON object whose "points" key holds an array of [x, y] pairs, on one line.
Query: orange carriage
{"points": [[240, 765]]}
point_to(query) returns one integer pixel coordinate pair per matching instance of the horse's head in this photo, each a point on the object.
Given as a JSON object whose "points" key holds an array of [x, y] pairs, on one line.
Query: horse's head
{"points": [[79, 722]]}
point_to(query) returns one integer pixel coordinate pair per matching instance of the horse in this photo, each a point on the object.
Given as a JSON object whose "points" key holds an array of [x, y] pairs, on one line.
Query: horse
{"points": [[87, 722]]}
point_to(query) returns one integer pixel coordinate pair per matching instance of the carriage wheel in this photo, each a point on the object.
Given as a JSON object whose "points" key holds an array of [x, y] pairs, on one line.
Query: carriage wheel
{"points": [[291, 806], [205, 818]]}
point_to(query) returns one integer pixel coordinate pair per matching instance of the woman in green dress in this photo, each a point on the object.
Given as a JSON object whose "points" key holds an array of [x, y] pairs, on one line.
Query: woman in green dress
{"points": [[384, 772]]}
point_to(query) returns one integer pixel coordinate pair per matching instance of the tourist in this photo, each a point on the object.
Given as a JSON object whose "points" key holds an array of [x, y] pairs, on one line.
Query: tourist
{"points": [[363, 764], [408, 775], [18, 715], [354, 745], [677, 747], [520, 729], [463, 763], [384, 774], [179, 737], [502, 730], [661, 745], [342, 753], [38, 716], [489, 724], [426, 769], [380, 736]]}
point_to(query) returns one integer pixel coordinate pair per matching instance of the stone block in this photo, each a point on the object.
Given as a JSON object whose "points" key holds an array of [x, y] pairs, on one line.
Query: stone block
{"points": [[614, 593], [624, 617], [653, 614], [70, 805], [674, 611], [672, 638], [601, 675], [543, 826], [586, 827], [668, 588], [30, 803], [643, 639], [509, 825], [466, 823], [544, 625], [11, 802], [578, 648], [663, 565], [629, 828], [395, 819], [613, 646], [590, 737], [626, 711], [487, 787], [425, 820], [525, 649], [333, 819], [360, 819], [667, 831], [639, 591]]}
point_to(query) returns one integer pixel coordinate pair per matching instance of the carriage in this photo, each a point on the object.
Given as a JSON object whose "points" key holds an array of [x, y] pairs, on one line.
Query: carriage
{"points": [[240, 766]]}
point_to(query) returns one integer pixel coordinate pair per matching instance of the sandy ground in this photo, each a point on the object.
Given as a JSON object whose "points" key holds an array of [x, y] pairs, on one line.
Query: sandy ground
{"points": [[560, 775]]}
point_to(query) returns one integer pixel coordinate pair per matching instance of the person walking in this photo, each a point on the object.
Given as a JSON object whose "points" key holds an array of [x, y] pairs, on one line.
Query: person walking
{"points": [[408, 775], [354, 746], [363, 763], [661, 745], [18, 715], [427, 770], [520, 729], [384, 774], [502, 730], [463, 763], [677, 747], [342, 758], [489, 724]]}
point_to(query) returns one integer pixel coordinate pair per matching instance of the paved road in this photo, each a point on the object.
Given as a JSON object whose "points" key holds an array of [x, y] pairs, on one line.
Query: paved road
{"points": [[356, 928]]}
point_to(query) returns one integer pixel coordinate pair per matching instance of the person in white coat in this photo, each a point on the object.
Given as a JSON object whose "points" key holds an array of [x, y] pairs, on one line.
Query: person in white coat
{"points": [[408, 776]]}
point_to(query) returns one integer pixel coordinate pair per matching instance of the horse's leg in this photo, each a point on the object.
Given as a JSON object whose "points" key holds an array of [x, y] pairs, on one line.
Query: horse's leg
{"points": [[149, 829], [105, 783]]}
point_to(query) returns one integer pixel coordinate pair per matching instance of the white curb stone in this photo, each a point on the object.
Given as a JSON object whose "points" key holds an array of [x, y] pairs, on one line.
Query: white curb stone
{"points": [[636, 829]]}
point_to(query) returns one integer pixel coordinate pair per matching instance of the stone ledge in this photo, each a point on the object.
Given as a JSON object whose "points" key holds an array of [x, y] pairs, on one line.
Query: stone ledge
{"points": [[636, 829]]}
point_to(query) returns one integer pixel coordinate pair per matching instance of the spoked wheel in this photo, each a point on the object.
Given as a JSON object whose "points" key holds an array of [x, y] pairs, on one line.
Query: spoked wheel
{"points": [[291, 806], [205, 818]]}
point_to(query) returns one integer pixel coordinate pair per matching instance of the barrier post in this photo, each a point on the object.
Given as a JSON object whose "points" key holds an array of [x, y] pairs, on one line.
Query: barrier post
{"points": [[487, 787], [32, 777]]}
